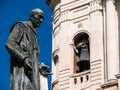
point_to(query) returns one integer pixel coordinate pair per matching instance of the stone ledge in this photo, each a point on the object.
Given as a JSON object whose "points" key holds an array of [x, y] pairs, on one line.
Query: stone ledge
{"points": [[80, 74], [110, 83], [117, 76]]}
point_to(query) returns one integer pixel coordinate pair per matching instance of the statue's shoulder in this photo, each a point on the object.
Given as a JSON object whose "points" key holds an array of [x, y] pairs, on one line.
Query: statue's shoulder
{"points": [[21, 24], [24, 23]]}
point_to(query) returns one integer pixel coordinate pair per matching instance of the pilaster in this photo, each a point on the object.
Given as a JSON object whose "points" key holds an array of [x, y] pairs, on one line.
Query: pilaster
{"points": [[112, 40]]}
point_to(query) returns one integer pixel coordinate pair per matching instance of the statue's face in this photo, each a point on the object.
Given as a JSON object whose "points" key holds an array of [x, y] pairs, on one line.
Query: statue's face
{"points": [[37, 19]]}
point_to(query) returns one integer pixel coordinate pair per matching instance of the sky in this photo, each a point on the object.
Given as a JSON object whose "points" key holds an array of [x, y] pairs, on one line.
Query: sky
{"points": [[12, 11]]}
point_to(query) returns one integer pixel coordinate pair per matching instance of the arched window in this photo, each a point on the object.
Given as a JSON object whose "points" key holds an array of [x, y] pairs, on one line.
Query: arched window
{"points": [[56, 62], [82, 53]]}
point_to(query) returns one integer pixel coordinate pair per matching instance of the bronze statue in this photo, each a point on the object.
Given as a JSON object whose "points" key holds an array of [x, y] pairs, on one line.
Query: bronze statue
{"points": [[23, 47]]}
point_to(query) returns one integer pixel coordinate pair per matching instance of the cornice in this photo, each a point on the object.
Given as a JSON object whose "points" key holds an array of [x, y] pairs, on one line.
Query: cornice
{"points": [[52, 3]]}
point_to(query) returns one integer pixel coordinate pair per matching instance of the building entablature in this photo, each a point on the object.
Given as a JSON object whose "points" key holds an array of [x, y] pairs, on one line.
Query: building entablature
{"points": [[94, 5], [52, 3]]}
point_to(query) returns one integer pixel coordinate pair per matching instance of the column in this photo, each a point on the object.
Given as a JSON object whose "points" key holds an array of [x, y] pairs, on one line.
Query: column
{"points": [[112, 40]]}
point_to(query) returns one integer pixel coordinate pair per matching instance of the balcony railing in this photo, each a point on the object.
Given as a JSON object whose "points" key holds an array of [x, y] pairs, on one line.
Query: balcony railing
{"points": [[81, 80]]}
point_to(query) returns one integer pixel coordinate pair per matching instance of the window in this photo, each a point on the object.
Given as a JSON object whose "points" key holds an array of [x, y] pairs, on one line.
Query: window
{"points": [[82, 53]]}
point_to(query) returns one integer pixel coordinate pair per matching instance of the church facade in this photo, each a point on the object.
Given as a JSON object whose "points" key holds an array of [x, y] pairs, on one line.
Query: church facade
{"points": [[86, 44]]}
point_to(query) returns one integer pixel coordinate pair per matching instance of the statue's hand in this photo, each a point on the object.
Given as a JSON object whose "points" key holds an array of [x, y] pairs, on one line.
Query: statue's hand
{"points": [[44, 69], [28, 63]]}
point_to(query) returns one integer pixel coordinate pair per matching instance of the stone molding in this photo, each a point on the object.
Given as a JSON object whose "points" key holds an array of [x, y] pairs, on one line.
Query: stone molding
{"points": [[55, 82], [80, 74], [55, 52], [56, 30], [117, 76], [52, 3], [110, 83], [95, 5]]}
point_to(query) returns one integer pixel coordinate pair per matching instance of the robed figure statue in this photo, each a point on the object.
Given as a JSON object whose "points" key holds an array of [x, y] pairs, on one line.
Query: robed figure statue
{"points": [[24, 50]]}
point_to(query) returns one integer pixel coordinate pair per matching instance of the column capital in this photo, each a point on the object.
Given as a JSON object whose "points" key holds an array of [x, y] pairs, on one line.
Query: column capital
{"points": [[95, 5]]}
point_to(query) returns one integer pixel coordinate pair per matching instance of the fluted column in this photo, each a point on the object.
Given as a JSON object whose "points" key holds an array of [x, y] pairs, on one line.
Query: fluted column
{"points": [[112, 40]]}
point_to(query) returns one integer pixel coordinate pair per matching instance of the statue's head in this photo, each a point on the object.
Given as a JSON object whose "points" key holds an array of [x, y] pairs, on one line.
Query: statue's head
{"points": [[36, 17]]}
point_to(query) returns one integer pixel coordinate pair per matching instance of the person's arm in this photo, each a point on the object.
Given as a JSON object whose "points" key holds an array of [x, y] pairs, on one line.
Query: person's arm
{"points": [[13, 41], [75, 49]]}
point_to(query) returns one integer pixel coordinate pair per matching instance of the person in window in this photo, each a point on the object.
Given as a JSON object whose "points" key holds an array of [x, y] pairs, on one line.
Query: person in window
{"points": [[82, 51]]}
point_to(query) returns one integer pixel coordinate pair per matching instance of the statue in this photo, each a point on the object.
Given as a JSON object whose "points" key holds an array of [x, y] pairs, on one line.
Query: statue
{"points": [[24, 50], [82, 51]]}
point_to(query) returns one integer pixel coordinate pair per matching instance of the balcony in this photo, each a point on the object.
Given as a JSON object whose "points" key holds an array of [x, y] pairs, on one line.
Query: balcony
{"points": [[80, 80]]}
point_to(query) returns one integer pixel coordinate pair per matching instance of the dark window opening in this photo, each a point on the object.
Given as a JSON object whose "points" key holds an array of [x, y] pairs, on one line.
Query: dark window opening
{"points": [[82, 53], [56, 59], [56, 62], [87, 77], [75, 81], [81, 79]]}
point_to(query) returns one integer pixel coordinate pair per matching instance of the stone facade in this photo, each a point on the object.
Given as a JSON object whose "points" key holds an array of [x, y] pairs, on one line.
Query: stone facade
{"points": [[99, 21]]}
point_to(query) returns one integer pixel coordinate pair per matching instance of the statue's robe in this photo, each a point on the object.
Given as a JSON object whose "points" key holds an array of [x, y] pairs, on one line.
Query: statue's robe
{"points": [[21, 44]]}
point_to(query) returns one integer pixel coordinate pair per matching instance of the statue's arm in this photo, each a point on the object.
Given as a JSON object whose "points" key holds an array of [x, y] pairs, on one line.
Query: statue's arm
{"points": [[43, 69], [13, 41]]}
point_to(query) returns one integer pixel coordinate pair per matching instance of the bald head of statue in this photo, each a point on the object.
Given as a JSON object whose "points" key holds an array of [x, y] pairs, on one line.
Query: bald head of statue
{"points": [[36, 17]]}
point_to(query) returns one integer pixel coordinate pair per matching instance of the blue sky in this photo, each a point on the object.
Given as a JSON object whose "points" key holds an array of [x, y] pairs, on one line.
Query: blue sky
{"points": [[18, 10]]}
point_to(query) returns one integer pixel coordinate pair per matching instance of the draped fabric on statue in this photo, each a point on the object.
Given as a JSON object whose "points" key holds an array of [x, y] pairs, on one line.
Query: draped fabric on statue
{"points": [[22, 43]]}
